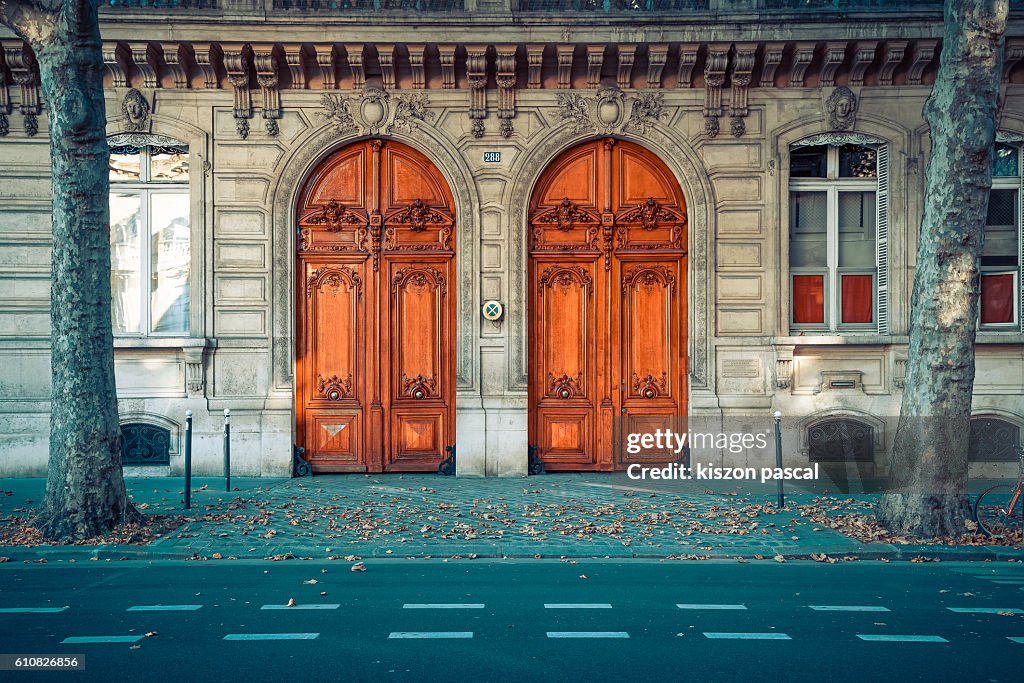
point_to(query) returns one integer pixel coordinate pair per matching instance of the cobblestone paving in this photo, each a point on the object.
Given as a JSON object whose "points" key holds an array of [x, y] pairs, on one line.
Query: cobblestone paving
{"points": [[419, 515]]}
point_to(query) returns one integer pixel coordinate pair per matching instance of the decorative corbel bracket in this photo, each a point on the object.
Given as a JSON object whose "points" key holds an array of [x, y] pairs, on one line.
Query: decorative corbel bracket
{"points": [[447, 56], [506, 78], [476, 72], [22, 64], [803, 55], [534, 61], [687, 61], [894, 53], [627, 55], [742, 68], [113, 59], [354, 54], [267, 76], [195, 371], [595, 63], [565, 65], [417, 58], [325, 59], [770, 63], [386, 61], [176, 67], [207, 55], [236, 61], [835, 53], [863, 56], [924, 53], [296, 62], [657, 55], [784, 367], [144, 59], [714, 79]]}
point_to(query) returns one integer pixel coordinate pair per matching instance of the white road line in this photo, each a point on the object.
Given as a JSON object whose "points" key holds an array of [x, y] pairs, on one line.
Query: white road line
{"points": [[901, 639], [31, 610], [746, 636], [587, 634], [271, 636], [429, 634], [577, 605], [102, 639], [691, 606], [1016, 639], [312, 605], [163, 608], [985, 610], [443, 605], [1008, 582], [848, 608]]}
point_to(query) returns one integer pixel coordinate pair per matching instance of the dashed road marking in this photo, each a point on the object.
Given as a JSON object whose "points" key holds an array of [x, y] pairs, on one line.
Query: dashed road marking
{"points": [[1016, 639], [985, 610], [443, 605], [429, 634], [746, 636], [694, 606], [31, 610], [272, 636], [587, 634], [577, 605], [1008, 582], [849, 608], [874, 637], [312, 605], [163, 608], [101, 639]]}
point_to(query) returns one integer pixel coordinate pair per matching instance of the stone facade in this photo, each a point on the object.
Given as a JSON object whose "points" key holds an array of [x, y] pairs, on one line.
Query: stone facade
{"points": [[720, 93]]}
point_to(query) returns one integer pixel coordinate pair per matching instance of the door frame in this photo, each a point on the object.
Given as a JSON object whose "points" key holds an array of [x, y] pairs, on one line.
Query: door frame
{"points": [[682, 356], [284, 195]]}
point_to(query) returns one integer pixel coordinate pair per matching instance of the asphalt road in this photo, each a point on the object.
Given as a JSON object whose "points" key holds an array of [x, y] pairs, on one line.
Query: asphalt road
{"points": [[482, 620]]}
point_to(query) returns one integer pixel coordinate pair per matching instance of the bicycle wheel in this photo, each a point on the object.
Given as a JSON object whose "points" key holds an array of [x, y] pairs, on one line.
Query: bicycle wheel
{"points": [[990, 511]]}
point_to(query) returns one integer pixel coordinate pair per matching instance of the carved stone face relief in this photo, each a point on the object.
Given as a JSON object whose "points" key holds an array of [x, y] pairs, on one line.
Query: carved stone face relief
{"points": [[842, 109], [136, 109]]}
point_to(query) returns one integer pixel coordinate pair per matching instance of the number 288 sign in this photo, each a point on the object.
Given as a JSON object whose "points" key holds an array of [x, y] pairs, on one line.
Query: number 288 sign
{"points": [[492, 157]]}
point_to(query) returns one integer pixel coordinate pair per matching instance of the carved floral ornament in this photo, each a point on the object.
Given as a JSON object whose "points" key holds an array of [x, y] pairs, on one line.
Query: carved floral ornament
{"points": [[419, 387], [649, 276], [566, 215], [419, 278], [375, 111], [606, 110], [565, 277], [334, 388], [565, 387], [650, 386], [334, 277]]}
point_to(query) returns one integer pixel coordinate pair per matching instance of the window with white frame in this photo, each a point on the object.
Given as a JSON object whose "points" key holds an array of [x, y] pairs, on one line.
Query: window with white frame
{"points": [[1001, 257], [838, 229], [149, 235]]}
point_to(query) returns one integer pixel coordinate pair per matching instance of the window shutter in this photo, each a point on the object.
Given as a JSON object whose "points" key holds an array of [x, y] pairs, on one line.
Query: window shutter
{"points": [[882, 245]]}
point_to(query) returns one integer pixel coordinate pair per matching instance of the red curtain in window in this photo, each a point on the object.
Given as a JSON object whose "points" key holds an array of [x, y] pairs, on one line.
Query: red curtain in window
{"points": [[808, 299], [997, 298], [858, 299]]}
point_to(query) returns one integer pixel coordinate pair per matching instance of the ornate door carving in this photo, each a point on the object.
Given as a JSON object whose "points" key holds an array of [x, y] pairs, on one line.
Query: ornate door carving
{"points": [[375, 367], [607, 302]]}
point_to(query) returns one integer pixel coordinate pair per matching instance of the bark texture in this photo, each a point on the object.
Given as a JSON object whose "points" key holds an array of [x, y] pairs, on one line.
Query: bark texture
{"points": [[927, 494], [85, 492]]}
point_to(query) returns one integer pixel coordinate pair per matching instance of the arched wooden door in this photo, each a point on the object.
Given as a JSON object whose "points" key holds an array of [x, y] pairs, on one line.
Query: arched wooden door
{"points": [[375, 371], [607, 302]]}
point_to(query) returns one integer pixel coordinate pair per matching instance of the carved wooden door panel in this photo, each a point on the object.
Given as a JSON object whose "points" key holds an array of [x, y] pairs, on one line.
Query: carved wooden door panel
{"points": [[375, 369], [607, 302]]}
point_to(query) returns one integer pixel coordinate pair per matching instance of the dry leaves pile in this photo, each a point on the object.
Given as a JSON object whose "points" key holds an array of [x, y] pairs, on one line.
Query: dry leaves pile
{"points": [[855, 518], [18, 530]]}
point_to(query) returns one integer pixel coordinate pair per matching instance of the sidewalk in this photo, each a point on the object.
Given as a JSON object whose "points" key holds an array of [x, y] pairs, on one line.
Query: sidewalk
{"points": [[425, 515]]}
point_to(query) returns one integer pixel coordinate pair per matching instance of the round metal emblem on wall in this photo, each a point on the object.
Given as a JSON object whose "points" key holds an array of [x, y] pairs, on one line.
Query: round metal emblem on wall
{"points": [[493, 310]]}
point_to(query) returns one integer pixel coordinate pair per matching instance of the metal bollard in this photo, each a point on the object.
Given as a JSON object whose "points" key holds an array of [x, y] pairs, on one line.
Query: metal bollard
{"points": [[778, 454], [188, 459], [227, 448]]}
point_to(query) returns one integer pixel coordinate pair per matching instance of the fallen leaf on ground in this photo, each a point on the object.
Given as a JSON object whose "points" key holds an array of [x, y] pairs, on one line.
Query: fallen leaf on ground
{"points": [[359, 567], [291, 602]]}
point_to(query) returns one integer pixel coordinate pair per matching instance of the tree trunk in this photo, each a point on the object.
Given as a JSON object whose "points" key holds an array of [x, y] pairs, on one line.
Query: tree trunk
{"points": [[927, 494], [85, 492]]}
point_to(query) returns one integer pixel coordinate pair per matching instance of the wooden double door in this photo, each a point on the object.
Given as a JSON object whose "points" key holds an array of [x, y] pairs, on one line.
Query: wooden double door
{"points": [[375, 371], [607, 298]]}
